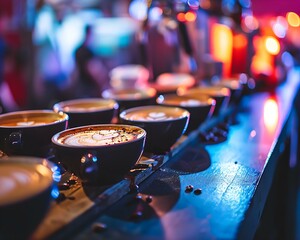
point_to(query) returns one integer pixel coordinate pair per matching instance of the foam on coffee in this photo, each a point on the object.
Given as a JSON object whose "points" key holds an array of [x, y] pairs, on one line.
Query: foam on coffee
{"points": [[28, 120], [20, 181], [84, 105], [154, 113], [100, 137]]}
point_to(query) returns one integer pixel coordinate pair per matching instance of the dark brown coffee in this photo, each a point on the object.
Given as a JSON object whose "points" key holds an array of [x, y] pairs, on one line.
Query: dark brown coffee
{"points": [[130, 93], [30, 118], [84, 105]]}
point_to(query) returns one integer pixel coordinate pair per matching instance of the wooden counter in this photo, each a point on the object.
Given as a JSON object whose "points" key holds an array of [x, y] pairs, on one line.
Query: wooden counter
{"points": [[232, 181]]}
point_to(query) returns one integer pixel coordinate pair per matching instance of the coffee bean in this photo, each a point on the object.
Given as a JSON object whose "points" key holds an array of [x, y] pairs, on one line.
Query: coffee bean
{"points": [[198, 191], [189, 188]]}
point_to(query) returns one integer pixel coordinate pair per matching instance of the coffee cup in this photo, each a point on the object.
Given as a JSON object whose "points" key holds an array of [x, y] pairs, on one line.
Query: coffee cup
{"points": [[129, 76], [219, 93], [131, 97], [26, 184], [88, 111], [200, 108], [168, 83], [100, 154], [30, 132], [164, 125]]}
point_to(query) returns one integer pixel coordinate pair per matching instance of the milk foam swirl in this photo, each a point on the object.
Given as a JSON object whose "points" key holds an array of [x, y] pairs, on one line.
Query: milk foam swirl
{"points": [[30, 123], [190, 103], [152, 116], [98, 137]]}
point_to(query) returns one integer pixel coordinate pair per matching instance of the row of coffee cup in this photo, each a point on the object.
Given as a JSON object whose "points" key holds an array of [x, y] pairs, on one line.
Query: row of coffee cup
{"points": [[30, 132]]}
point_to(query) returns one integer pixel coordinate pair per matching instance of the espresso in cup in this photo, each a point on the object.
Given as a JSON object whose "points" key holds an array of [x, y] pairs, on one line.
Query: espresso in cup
{"points": [[25, 194], [87, 111], [200, 108], [131, 97], [100, 154], [220, 94], [27, 121], [155, 114], [164, 125], [30, 132], [101, 137]]}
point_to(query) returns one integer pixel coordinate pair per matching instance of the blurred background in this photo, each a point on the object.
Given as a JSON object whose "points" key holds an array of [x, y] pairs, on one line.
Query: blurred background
{"points": [[54, 50]]}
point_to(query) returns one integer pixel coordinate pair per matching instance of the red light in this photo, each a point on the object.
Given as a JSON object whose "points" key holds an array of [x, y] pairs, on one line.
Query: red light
{"points": [[181, 17]]}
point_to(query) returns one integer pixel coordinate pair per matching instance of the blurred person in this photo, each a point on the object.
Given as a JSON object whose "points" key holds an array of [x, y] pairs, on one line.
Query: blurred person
{"points": [[163, 47], [13, 94], [91, 75]]}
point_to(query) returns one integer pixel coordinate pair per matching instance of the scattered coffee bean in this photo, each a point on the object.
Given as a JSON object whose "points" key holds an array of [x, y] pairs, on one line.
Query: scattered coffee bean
{"points": [[189, 188], [198, 191], [99, 227]]}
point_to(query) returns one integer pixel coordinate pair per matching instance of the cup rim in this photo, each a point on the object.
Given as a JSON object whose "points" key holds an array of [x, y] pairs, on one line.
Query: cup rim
{"points": [[59, 106], [185, 113], [213, 91], [64, 117], [110, 93], [205, 100], [56, 136]]}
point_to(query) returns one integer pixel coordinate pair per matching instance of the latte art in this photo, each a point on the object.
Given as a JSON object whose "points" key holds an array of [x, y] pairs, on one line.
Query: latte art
{"points": [[30, 123], [151, 116], [99, 137]]}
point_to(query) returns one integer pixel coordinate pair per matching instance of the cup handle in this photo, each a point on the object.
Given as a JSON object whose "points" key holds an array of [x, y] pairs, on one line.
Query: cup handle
{"points": [[15, 140], [89, 167]]}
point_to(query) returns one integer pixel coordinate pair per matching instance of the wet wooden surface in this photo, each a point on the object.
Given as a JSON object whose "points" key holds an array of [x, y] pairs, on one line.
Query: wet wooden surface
{"points": [[228, 183], [234, 176], [78, 203]]}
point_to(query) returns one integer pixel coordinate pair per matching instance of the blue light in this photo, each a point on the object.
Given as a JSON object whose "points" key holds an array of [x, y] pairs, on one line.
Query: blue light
{"points": [[95, 159], [55, 192]]}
